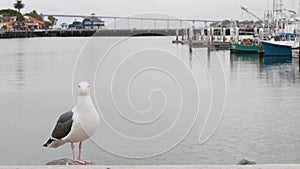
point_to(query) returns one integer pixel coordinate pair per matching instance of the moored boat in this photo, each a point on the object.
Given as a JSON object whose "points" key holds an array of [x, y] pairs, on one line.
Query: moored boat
{"points": [[246, 46], [277, 48], [243, 48]]}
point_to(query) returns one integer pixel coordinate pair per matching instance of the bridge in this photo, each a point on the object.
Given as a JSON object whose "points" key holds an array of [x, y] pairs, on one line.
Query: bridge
{"points": [[192, 22]]}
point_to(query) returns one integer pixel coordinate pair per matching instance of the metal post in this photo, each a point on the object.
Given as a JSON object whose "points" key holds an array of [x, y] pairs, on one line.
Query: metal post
{"points": [[154, 24], [191, 34], [202, 34], [115, 23], [224, 34], [212, 34], [208, 36], [193, 24], [141, 23]]}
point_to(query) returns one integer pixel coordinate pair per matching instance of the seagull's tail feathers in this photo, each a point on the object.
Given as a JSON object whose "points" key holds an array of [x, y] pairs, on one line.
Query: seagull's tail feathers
{"points": [[53, 143]]}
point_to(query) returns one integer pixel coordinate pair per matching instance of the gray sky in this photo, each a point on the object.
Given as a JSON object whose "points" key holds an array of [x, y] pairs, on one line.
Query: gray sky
{"points": [[193, 9]]}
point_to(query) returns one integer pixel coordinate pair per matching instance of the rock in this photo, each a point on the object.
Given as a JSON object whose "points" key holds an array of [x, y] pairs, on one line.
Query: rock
{"points": [[246, 162], [63, 161]]}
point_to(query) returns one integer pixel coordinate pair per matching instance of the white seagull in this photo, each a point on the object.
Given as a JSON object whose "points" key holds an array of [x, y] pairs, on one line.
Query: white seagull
{"points": [[76, 125]]}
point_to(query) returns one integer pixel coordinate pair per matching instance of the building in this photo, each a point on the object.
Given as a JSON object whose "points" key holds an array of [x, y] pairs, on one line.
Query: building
{"points": [[76, 25], [31, 23], [26, 23], [7, 22], [92, 23], [12, 23], [64, 25]]}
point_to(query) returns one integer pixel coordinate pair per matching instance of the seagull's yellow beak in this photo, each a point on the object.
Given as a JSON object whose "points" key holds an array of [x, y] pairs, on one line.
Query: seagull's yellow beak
{"points": [[83, 93]]}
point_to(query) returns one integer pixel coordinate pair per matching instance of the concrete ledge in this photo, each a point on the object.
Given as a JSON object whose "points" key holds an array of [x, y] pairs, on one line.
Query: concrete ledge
{"points": [[267, 166]]}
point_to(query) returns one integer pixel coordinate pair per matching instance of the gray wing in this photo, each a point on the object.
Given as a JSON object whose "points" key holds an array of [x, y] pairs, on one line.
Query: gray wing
{"points": [[63, 125]]}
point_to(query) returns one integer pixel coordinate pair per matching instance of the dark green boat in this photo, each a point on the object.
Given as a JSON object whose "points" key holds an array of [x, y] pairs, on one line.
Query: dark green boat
{"points": [[242, 48]]}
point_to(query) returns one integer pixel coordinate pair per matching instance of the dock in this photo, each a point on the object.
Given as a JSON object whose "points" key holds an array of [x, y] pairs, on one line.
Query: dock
{"points": [[219, 45], [104, 32]]}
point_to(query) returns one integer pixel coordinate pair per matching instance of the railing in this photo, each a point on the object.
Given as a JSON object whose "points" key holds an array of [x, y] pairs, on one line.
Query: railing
{"points": [[192, 22]]}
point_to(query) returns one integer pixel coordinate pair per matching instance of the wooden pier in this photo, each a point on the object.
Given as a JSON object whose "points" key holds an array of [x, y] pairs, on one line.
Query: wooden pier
{"points": [[218, 45]]}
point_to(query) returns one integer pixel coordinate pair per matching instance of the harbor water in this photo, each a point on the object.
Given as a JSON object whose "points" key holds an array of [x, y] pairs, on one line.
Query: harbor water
{"points": [[230, 107]]}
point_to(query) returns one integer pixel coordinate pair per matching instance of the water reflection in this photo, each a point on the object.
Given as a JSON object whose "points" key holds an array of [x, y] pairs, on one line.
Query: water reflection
{"points": [[16, 70], [245, 57], [271, 60], [273, 69], [191, 57], [251, 57]]}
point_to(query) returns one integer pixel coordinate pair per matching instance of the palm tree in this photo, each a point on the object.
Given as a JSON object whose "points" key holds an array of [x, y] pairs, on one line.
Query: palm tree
{"points": [[19, 5]]}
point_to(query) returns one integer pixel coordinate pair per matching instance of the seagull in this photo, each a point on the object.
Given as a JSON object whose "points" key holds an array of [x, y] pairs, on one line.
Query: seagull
{"points": [[76, 125]]}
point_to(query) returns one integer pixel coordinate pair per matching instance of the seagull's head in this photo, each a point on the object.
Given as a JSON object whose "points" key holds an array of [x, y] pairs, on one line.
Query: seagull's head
{"points": [[84, 88]]}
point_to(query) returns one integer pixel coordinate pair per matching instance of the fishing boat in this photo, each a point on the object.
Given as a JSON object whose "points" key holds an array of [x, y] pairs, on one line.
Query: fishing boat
{"points": [[282, 46], [246, 46], [242, 48], [277, 48]]}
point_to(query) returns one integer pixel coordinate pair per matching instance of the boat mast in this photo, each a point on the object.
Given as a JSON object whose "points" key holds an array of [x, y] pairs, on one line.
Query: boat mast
{"points": [[278, 15], [281, 16]]}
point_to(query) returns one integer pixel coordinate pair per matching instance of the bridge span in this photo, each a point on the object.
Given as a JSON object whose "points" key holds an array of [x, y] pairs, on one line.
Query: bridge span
{"points": [[114, 19]]}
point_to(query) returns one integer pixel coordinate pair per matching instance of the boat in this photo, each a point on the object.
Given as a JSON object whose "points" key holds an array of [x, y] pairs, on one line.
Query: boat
{"points": [[242, 48], [277, 48], [246, 46]]}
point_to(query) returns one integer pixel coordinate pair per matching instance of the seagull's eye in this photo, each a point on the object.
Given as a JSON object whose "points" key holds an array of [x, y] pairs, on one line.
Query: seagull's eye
{"points": [[78, 86], [88, 86]]}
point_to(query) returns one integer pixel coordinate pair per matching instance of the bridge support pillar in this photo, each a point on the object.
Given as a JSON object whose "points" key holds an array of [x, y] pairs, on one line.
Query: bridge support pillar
{"points": [[128, 23]]}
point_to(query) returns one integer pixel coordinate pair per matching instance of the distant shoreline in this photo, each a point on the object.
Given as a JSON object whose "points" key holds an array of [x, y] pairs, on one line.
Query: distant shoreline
{"points": [[104, 32], [265, 166]]}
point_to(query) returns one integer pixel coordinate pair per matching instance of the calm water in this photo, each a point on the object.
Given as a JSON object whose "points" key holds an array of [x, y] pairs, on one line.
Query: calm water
{"points": [[142, 86]]}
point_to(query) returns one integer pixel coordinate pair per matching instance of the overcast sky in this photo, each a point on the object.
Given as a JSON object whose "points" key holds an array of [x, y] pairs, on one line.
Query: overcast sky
{"points": [[193, 9]]}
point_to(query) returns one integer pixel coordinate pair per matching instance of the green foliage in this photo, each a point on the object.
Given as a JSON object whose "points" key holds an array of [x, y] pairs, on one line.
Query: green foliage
{"points": [[9, 12], [48, 24], [35, 15], [19, 5], [52, 20]]}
